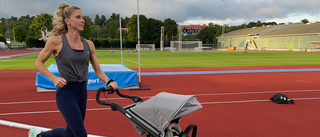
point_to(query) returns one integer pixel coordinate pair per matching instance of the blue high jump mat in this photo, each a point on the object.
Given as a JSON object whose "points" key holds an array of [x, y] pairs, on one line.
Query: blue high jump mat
{"points": [[125, 77]]}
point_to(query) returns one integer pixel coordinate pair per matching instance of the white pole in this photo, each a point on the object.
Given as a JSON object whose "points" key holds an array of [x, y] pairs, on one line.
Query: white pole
{"points": [[138, 41], [224, 25], [121, 39], [8, 39], [139, 83]]}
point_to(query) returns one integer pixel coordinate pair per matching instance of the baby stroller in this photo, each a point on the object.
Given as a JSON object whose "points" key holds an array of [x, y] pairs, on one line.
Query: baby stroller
{"points": [[151, 117]]}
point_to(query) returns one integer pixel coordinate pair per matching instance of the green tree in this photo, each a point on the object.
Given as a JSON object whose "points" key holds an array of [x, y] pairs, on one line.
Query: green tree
{"points": [[207, 35], [2, 39], [269, 23], [304, 21], [114, 16], [4, 29], [154, 30], [124, 22], [97, 20], [13, 19], [20, 33], [242, 26], [132, 26], [144, 25], [1, 29], [231, 28], [111, 28], [25, 17], [259, 24], [251, 24], [103, 20], [40, 23], [133, 29], [170, 27], [96, 31], [25, 23], [21, 28]]}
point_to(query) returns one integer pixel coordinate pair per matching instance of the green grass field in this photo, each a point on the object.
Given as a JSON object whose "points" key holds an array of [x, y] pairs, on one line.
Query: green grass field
{"points": [[166, 59]]}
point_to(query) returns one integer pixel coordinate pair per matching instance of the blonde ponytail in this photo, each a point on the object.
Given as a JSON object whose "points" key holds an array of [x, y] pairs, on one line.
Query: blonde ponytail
{"points": [[59, 26]]}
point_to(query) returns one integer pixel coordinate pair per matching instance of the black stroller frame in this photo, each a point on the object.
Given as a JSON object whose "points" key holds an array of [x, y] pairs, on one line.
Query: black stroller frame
{"points": [[143, 124]]}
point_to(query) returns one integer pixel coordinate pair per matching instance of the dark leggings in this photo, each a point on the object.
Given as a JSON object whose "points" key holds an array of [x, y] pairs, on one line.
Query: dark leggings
{"points": [[71, 101]]}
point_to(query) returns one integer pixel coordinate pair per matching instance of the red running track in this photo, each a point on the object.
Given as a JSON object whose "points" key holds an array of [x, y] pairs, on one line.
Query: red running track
{"points": [[15, 52], [233, 104]]}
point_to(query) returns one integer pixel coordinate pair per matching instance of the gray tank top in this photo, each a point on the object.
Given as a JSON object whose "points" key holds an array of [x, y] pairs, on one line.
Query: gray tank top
{"points": [[73, 65]]}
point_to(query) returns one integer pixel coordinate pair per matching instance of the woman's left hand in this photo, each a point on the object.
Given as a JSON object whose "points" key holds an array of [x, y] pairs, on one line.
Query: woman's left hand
{"points": [[114, 85]]}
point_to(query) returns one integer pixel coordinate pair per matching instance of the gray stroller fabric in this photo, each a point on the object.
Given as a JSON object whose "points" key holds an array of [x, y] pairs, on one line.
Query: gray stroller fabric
{"points": [[159, 110]]}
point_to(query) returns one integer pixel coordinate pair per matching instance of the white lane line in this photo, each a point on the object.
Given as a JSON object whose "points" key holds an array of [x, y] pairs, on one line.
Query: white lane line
{"points": [[108, 108], [26, 126], [53, 101], [261, 61], [233, 102], [259, 92], [213, 94], [44, 112], [131, 61], [27, 102], [248, 101]]}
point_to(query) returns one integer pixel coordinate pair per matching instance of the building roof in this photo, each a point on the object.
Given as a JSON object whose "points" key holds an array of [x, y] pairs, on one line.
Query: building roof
{"points": [[123, 28], [313, 28], [194, 27], [248, 31], [277, 30]]}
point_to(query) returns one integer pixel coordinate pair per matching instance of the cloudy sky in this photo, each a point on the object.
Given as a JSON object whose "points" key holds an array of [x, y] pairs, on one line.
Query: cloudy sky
{"points": [[182, 11]]}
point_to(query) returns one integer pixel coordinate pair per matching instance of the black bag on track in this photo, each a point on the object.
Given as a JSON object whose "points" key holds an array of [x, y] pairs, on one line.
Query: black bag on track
{"points": [[281, 99]]}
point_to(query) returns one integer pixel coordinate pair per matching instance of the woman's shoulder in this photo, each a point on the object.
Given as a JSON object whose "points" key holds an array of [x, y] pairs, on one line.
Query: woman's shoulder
{"points": [[55, 40], [90, 43]]}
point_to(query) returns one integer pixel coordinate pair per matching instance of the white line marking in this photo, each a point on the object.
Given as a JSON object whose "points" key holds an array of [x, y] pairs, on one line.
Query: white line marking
{"points": [[306, 98], [303, 81], [42, 112], [214, 94], [34, 112], [131, 61], [260, 92], [230, 102], [27, 102], [26, 126], [248, 101], [98, 109], [53, 101], [261, 60]]}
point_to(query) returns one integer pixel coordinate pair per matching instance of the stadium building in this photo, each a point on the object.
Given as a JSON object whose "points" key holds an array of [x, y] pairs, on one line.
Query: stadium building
{"points": [[290, 37]]}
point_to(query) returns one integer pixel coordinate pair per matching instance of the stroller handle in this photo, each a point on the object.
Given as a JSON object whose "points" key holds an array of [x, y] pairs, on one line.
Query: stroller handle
{"points": [[103, 89], [117, 107], [114, 106]]}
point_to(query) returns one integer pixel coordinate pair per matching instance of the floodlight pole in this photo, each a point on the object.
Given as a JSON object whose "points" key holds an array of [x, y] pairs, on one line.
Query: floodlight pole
{"points": [[139, 72], [224, 25], [138, 18], [121, 39], [8, 39]]}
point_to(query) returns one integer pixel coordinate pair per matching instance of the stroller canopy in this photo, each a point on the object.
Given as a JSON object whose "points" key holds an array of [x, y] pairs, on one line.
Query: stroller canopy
{"points": [[159, 110]]}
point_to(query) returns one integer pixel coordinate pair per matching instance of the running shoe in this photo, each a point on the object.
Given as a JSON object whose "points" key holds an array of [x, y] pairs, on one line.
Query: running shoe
{"points": [[33, 132]]}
